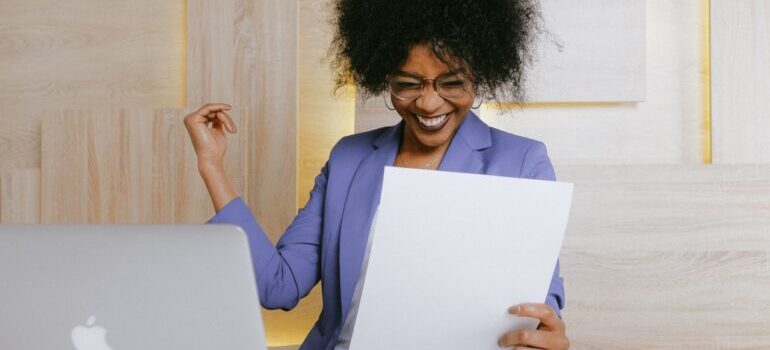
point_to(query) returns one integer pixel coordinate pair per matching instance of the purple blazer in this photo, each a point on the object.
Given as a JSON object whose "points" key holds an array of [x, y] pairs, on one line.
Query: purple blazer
{"points": [[327, 239]]}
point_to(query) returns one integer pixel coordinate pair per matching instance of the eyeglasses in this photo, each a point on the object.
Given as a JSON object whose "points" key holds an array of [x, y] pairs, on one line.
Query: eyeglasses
{"points": [[408, 87]]}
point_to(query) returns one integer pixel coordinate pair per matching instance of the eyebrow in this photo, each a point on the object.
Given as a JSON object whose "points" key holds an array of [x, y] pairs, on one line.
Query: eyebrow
{"points": [[414, 75]]}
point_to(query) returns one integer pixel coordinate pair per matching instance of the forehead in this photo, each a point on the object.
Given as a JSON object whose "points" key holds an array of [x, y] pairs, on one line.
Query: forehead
{"points": [[423, 62]]}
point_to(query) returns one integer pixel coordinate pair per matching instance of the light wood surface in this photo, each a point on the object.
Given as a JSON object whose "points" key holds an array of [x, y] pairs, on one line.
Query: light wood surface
{"points": [[266, 84], [668, 257], [125, 166], [81, 54], [210, 52], [20, 196], [669, 208], [20, 137], [740, 50]]}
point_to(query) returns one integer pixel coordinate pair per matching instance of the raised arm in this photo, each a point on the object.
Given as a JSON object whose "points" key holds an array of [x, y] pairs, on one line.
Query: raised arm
{"points": [[286, 272]]}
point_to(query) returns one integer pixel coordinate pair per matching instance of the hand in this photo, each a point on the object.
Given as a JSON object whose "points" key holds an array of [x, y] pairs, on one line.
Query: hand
{"points": [[549, 335], [209, 142]]}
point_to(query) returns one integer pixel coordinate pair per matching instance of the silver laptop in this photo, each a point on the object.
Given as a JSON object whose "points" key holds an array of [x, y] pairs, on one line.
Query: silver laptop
{"points": [[127, 287]]}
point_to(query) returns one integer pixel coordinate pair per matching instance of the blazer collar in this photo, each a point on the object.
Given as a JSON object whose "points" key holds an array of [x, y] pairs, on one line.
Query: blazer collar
{"points": [[364, 192]]}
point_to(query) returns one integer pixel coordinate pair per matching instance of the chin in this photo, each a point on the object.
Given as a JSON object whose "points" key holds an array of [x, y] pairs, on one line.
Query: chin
{"points": [[433, 140]]}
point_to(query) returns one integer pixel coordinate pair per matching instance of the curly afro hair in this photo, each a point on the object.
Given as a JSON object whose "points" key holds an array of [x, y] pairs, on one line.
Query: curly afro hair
{"points": [[493, 39]]}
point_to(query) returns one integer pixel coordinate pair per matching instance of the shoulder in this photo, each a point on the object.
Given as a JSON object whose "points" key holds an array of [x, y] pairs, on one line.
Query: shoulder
{"points": [[350, 150], [516, 155], [360, 143], [505, 142]]}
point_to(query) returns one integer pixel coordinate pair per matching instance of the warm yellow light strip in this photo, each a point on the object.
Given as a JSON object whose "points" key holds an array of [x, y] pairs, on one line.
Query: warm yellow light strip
{"points": [[706, 80]]}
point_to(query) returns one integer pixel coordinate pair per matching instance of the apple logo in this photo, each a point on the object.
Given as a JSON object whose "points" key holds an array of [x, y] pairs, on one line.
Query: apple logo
{"points": [[90, 337]]}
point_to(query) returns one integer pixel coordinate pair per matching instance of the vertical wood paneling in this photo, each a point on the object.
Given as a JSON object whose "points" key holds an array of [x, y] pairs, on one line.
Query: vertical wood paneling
{"points": [[124, 166], [210, 51], [740, 42], [245, 53], [266, 82], [20, 196], [20, 137]]}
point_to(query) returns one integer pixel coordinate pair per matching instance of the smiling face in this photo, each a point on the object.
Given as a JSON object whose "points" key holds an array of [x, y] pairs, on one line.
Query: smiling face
{"points": [[430, 120]]}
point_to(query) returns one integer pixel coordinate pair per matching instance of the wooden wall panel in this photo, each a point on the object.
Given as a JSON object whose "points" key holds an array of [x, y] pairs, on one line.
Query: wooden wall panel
{"points": [[266, 83], [20, 196], [740, 50], [125, 166], [81, 54], [20, 137], [210, 51], [669, 208], [664, 257], [245, 53]]}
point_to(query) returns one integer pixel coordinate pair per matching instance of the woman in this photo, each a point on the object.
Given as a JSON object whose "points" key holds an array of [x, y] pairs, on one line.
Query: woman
{"points": [[433, 58]]}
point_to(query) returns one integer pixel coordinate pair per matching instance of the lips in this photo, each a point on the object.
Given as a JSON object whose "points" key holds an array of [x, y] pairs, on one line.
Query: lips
{"points": [[432, 123]]}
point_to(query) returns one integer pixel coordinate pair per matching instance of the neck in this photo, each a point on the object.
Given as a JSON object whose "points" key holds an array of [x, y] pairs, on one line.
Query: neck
{"points": [[411, 146], [413, 154]]}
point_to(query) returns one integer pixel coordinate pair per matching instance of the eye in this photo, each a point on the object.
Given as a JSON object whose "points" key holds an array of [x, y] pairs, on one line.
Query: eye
{"points": [[452, 83], [403, 85]]}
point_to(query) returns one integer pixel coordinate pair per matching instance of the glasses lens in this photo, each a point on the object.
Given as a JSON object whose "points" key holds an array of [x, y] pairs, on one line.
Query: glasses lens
{"points": [[452, 86], [405, 87]]}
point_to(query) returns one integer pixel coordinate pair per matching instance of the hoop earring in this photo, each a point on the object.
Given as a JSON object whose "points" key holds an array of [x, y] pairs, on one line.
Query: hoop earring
{"points": [[481, 100], [385, 99]]}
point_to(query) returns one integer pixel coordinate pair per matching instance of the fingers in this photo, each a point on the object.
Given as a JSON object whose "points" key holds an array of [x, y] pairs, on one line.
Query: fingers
{"points": [[543, 312], [534, 339], [212, 108], [212, 112], [525, 339], [229, 121]]}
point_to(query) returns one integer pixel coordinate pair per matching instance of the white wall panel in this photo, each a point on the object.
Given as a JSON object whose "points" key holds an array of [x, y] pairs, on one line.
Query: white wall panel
{"points": [[740, 53], [594, 50]]}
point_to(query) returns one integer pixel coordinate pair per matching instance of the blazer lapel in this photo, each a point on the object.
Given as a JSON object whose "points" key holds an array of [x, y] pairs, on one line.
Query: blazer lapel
{"points": [[362, 200], [462, 156]]}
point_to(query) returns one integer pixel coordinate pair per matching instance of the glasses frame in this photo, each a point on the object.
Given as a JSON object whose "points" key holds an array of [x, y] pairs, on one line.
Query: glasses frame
{"points": [[466, 86]]}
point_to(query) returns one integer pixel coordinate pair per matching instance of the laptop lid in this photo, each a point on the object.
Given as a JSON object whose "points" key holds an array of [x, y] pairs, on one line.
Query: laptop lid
{"points": [[115, 287]]}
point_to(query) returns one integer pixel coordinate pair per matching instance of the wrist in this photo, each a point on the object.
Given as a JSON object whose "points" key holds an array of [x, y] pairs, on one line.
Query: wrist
{"points": [[209, 168]]}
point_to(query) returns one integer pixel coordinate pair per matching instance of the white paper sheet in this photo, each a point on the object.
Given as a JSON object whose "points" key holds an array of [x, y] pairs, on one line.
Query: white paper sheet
{"points": [[451, 252]]}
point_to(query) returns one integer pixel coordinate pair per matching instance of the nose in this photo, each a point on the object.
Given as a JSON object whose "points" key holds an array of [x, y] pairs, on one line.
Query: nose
{"points": [[430, 101]]}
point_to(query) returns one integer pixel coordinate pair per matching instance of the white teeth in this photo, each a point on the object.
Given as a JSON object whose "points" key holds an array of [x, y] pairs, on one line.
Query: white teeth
{"points": [[431, 122]]}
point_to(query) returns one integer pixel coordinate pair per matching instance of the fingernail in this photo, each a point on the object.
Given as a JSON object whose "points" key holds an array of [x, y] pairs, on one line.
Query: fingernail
{"points": [[513, 310]]}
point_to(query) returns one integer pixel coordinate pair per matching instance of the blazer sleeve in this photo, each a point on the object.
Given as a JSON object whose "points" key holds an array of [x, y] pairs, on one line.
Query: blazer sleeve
{"points": [[537, 165], [288, 271]]}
